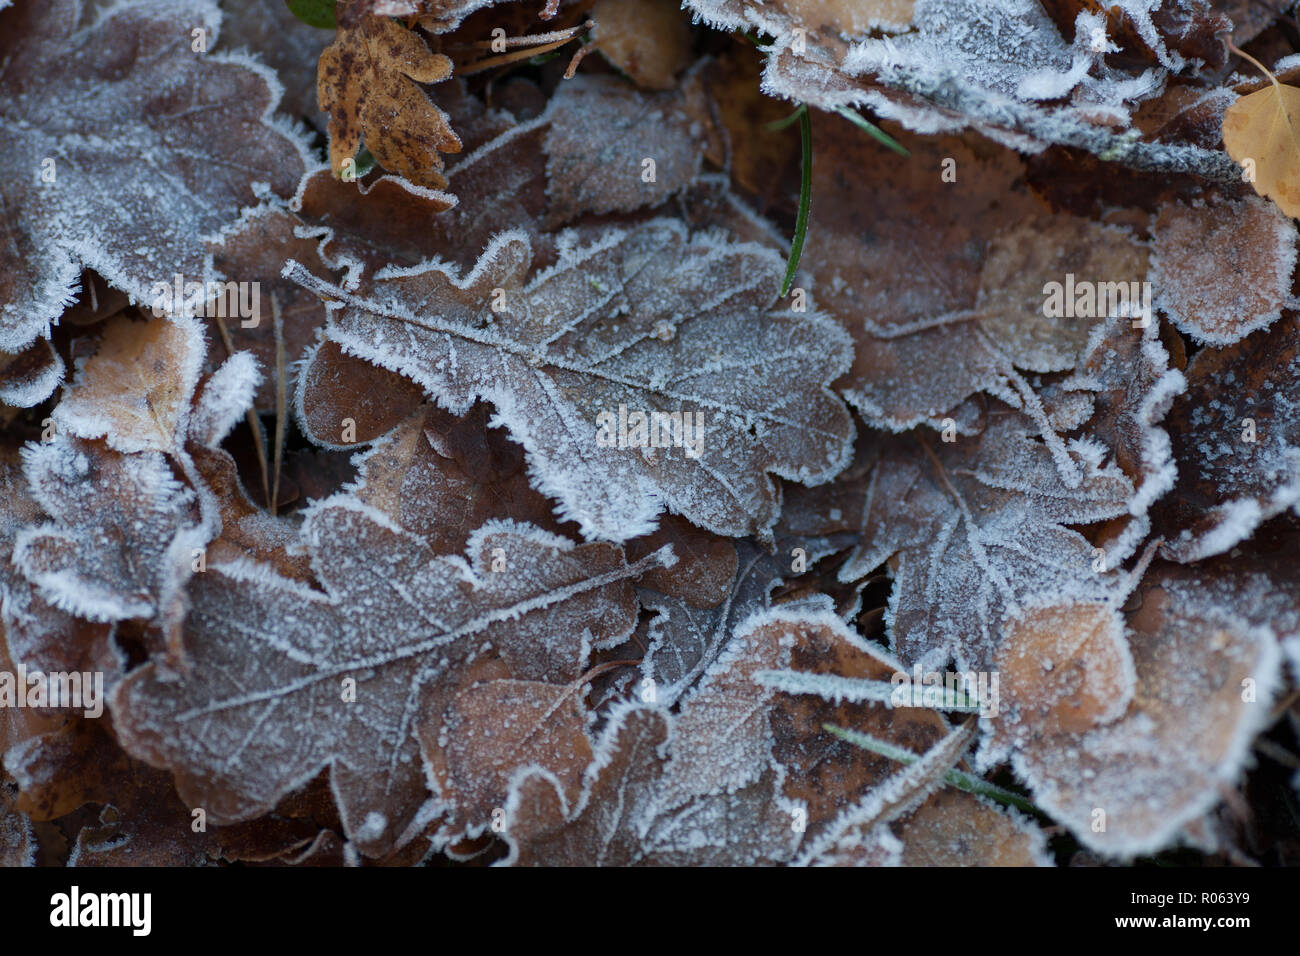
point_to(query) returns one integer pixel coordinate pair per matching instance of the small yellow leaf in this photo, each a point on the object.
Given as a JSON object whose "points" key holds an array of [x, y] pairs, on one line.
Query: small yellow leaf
{"points": [[1260, 132]]}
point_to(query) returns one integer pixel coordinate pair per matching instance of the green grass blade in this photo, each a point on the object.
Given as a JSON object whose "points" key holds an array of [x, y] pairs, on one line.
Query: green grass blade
{"points": [[783, 123], [805, 200], [875, 131], [957, 778]]}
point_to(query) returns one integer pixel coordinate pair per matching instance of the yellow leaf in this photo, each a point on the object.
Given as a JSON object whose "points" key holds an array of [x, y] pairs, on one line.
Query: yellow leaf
{"points": [[1259, 131]]}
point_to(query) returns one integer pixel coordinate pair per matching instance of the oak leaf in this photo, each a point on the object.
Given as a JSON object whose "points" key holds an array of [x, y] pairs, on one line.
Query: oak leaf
{"points": [[136, 223], [367, 83], [977, 526], [652, 319], [397, 621]]}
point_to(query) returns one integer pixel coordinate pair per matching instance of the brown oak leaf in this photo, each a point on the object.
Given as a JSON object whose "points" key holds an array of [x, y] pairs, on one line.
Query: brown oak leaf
{"points": [[650, 319], [358, 662], [367, 83], [135, 222]]}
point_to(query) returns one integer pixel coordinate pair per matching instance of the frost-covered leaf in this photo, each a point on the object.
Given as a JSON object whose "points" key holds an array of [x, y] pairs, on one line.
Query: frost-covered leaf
{"points": [[246, 530], [902, 792], [30, 376], [1002, 67], [367, 83], [645, 320], [223, 398], [973, 527], [601, 134], [825, 772], [274, 315], [1223, 270], [123, 531], [1150, 32], [38, 635], [442, 477], [492, 728], [135, 392], [544, 171], [620, 820], [131, 193], [1205, 679], [1064, 668], [1127, 378], [264, 706], [18, 845], [929, 274], [959, 829], [270, 29], [1236, 438], [341, 399], [713, 587], [437, 16], [141, 822]]}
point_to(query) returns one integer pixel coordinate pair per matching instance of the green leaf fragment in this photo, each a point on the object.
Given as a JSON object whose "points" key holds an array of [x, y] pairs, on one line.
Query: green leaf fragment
{"points": [[314, 13]]}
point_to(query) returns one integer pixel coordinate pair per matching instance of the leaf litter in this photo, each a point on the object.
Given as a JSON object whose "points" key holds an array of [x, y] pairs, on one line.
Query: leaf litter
{"points": [[488, 502]]}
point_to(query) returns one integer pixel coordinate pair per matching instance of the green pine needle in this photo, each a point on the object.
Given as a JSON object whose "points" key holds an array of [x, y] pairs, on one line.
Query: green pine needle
{"points": [[805, 200], [875, 131]]}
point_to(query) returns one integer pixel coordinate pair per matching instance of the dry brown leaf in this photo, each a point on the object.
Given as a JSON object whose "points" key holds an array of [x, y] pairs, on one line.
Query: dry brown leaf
{"points": [[388, 637], [1222, 270], [367, 83], [649, 40]]}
